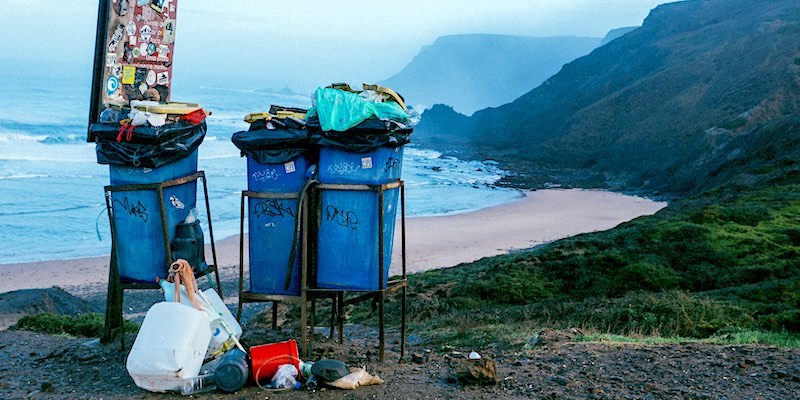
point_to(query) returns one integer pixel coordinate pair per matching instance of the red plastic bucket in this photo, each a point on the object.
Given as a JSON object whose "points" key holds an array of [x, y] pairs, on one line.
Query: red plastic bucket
{"points": [[266, 359]]}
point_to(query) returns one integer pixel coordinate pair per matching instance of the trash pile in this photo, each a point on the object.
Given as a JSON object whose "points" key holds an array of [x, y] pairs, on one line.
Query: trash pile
{"points": [[148, 134], [189, 343]]}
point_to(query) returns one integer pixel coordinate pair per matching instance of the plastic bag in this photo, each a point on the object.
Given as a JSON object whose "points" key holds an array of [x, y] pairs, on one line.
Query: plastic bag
{"points": [[357, 377], [150, 147], [339, 110], [285, 377]]}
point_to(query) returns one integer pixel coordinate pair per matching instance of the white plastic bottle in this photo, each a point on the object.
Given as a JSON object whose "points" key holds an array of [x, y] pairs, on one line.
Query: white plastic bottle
{"points": [[198, 384]]}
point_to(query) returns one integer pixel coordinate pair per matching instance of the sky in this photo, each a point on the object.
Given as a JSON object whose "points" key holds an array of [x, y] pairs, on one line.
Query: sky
{"points": [[300, 45]]}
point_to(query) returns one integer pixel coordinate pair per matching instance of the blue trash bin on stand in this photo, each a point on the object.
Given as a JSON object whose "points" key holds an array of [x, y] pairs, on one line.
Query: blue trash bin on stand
{"points": [[348, 242], [272, 224], [139, 241], [277, 162]]}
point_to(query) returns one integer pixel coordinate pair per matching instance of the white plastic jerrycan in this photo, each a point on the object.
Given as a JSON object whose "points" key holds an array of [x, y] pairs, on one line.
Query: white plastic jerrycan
{"points": [[169, 348]]}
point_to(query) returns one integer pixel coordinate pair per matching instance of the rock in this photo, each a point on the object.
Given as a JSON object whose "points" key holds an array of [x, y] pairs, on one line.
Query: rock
{"points": [[474, 356], [475, 372], [560, 380], [418, 358]]}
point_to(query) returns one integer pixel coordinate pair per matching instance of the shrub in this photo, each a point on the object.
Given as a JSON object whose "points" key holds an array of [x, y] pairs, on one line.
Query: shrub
{"points": [[87, 325]]}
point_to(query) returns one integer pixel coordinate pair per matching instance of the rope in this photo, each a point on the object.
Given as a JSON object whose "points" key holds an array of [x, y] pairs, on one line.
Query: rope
{"points": [[298, 222], [181, 270]]}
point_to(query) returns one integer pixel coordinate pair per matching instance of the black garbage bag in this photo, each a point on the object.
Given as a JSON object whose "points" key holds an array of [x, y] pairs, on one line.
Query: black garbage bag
{"points": [[284, 140], [149, 147], [366, 136], [189, 245]]}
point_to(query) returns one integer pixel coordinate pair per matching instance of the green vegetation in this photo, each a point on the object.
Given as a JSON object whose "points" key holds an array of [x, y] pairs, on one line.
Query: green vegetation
{"points": [[87, 325], [720, 267], [734, 337]]}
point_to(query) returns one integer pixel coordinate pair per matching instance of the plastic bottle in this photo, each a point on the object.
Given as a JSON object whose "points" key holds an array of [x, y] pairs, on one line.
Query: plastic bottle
{"points": [[198, 384]]}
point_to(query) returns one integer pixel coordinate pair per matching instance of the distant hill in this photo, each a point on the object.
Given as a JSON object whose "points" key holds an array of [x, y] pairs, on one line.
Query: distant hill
{"points": [[615, 33], [471, 72], [658, 109]]}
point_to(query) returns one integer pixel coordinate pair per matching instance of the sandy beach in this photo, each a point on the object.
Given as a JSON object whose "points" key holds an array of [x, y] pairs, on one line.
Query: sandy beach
{"points": [[432, 242]]}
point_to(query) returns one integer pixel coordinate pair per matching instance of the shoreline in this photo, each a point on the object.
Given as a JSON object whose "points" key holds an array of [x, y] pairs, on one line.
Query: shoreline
{"points": [[537, 217]]}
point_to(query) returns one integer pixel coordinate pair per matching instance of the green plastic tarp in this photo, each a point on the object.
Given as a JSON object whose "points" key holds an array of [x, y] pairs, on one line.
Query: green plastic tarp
{"points": [[339, 110]]}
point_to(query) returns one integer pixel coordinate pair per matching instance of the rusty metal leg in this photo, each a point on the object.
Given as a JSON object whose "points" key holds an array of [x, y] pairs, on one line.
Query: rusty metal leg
{"points": [[341, 317], [202, 175], [405, 281], [313, 325], [380, 323], [403, 323], [241, 258], [114, 322], [334, 310], [304, 323]]}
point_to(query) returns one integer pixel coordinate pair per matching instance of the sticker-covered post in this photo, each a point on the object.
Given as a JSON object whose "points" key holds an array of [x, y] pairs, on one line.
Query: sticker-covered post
{"points": [[134, 47]]}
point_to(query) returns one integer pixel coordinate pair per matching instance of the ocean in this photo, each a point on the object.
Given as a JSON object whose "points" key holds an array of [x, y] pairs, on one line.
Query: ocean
{"points": [[51, 187]]}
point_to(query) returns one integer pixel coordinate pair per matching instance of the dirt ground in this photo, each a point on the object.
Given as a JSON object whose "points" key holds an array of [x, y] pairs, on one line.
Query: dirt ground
{"points": [[41, 366]]}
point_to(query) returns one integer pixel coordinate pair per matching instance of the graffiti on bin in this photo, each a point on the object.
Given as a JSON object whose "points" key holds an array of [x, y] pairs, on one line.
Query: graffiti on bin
{"points": [[272, 208], [344, 218], [343, 168], [392, 164], [136, 210], [265, 175]]}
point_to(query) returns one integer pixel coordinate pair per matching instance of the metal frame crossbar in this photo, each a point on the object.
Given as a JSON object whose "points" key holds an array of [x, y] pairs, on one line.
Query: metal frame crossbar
{"points": [[116, 286]]}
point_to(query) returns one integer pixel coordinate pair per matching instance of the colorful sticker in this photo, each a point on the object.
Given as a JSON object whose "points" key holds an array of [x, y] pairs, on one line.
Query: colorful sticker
{"points": [[132, 41], [366, 162], [131, 28], [128, 75], [151, 78], [111, 59], [116, 70], [145, 32], [151, 49], [168, 31], [116, 38], [143, 87], [163, 51], [289, 167], [163, 78], [112, 84], [157, 5], [142, 2], [136, 52]]}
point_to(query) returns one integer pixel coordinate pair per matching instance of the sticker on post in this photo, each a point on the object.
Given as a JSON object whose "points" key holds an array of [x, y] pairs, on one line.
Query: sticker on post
{"points": [[168, 31], [366, 162], [162, 78], [289, 167], [128, 75], [112, 84], [145, 32]]}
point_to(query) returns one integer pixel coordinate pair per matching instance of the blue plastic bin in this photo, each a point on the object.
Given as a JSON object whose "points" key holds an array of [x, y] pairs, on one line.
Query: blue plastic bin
{"points": [[347, 244], [271, 225], [382, 165], [139, 237]]}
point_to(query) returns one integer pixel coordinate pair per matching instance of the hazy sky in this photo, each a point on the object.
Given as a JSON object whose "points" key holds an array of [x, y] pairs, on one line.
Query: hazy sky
{"points": [[252, 43]]}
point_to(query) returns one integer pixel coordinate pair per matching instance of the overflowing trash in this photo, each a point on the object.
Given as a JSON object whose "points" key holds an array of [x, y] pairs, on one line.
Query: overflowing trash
{"points": [[148, 134], [189, 343]]}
